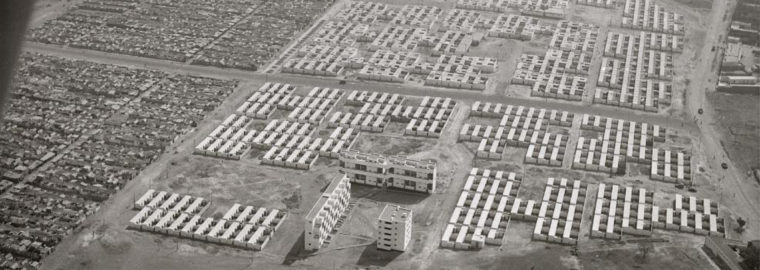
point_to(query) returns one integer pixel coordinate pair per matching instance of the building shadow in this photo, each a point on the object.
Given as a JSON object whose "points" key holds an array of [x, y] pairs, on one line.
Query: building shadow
{"points": [[297, 252], [387, 195], [371, 256]]}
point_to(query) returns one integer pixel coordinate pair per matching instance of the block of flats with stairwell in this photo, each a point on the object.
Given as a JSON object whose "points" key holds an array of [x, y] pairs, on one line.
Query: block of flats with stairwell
{"points": [[389, 171]]}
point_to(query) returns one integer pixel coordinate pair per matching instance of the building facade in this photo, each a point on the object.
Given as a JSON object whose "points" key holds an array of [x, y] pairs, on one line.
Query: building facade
{"points": [[325, 213], [394, 228], [389, 171]]}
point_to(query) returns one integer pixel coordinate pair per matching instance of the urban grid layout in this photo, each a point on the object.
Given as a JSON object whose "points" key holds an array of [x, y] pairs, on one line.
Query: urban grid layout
{"points": [[383, 134]]}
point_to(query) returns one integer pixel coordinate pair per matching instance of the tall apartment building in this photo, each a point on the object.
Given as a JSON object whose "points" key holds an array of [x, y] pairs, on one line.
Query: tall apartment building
{"points": [[326, 212], [394, 228], [389, 171]]}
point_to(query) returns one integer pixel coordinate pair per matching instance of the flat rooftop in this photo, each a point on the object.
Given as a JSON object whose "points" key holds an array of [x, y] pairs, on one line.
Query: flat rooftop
{"points": [[325, 196], [393, 212]]}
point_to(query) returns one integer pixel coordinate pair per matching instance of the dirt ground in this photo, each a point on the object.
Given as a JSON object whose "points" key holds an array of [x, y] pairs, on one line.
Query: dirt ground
{"points": [[739, 120], [390, 145], [659, 258]]}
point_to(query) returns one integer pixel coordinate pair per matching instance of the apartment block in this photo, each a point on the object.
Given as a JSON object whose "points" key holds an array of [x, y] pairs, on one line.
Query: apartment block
{"points": [[389, 171], [323, 216], [394, 228]]}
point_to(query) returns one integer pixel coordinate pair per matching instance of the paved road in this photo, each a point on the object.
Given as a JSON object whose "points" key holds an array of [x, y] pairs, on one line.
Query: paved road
{"points": [[703, 78], [176, 67]]}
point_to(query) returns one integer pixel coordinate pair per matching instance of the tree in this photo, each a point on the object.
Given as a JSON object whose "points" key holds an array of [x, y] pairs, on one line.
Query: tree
{"points": [[741, 223]]}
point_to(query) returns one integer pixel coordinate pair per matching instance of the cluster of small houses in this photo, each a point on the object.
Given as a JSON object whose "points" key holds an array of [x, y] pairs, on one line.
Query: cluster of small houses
{"points": [[637, 70], [291, 142], [629, 141], [636, 77], [648, 16], [230, 33], [519, 126], [611, 4], [625, 210], [562, 72], [128, 27], [179, 215], [251, 43], [399, 48], [481, 213], [429, 119], [46, 114], [37, 220], [287, 142], [554, 9], [604, 145], [120, 135], [120, 148], [11, 261], [489, 201]]}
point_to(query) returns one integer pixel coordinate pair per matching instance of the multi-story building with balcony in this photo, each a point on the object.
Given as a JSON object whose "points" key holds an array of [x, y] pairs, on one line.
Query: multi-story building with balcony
{"points": [[389, 171], [325, 213]]}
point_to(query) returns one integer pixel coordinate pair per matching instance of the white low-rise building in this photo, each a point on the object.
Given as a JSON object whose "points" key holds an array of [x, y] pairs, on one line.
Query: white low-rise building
{"points": [[649, 16]]}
